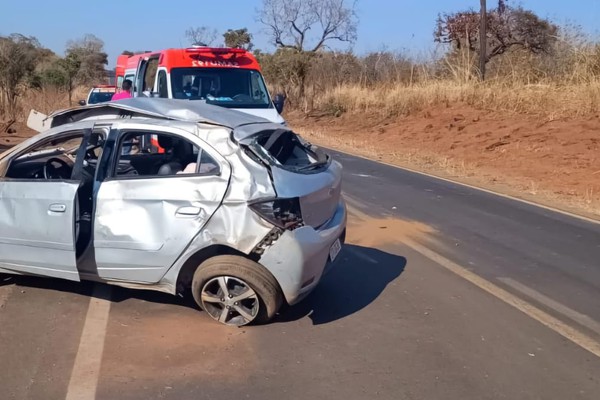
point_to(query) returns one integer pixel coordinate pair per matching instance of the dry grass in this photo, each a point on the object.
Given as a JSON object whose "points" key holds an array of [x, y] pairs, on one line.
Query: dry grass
{"points": [[550, 101], [48, 100]]}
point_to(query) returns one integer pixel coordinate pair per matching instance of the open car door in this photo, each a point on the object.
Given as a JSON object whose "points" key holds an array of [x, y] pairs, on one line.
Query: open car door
{"points": [[138, 84], [145, 64], [38, 221], [37, 227]]}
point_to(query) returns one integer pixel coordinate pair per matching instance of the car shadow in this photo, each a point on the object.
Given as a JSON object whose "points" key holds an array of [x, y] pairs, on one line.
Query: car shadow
{"points": [[357, 279], [116, 294], [6, 279]]}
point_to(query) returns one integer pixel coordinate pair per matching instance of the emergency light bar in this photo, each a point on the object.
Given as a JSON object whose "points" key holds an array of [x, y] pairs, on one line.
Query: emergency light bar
{"points": [[215, 50]]}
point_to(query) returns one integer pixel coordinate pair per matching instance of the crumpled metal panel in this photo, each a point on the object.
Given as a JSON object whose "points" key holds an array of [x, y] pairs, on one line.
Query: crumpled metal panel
{"points": [[234, 224], [319, 193], [244, 125], [33, 237], [249, 180], [183, 110], [299, 257], [146, 242], [244, 133], [142, 226], [138, 236]]}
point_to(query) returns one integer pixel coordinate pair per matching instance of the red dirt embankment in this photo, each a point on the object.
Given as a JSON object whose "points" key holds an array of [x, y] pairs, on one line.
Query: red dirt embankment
{"points": [[553, 162]]}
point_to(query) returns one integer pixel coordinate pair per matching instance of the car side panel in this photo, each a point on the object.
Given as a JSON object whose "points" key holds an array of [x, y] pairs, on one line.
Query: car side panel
{"points": [[142, 226]]}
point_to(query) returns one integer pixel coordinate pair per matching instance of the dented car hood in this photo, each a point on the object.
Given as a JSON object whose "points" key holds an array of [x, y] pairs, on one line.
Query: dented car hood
{"points": [[243, 125]]}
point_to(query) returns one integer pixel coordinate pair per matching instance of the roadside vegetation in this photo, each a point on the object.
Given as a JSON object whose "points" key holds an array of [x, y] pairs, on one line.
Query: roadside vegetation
{"points": [[540, 99], [533, 66], [31, 75]]}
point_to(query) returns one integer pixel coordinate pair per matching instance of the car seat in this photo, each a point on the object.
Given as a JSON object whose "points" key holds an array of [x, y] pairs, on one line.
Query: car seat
{"points": [[181, 154]]}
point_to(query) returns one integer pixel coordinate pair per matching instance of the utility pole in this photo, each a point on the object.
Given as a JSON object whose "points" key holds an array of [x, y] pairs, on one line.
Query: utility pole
{"points": [[482, 38]]}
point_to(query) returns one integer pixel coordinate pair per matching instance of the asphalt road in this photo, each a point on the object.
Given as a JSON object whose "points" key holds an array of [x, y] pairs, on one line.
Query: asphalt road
{"points": [[442, 292]]}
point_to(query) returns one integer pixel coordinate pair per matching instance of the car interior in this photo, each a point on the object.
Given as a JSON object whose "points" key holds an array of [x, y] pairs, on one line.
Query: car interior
{"points": [[138, 156], [286, 148], [218, 85]]}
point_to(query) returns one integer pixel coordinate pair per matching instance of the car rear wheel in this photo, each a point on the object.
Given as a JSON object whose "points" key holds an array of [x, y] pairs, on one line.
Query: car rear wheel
{"points": [[236, 291]]}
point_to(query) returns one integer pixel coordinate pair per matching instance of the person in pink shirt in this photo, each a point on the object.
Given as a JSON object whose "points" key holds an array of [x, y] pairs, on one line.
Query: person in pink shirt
{"points": [[123, 94]]}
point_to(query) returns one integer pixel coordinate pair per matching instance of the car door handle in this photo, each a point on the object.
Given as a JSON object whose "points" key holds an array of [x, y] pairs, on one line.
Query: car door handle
{"points": [[188, 211], [57, 208]]}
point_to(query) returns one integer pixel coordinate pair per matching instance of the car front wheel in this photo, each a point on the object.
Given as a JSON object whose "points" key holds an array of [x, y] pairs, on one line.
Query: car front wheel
{"points": [[236, 291]]}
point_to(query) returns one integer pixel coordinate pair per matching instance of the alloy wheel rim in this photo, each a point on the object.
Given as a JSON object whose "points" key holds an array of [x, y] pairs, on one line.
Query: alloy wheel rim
{"points": [[230, 300]]}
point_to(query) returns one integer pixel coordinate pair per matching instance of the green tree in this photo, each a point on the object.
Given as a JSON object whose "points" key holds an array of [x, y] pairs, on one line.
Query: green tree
{"points": [[70, 65], [53, 75], [238, 38], [84, 62], [19, 56]]}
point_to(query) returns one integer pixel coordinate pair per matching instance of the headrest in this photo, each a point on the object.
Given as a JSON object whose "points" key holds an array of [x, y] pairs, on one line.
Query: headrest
{"points": [[166, 142]]}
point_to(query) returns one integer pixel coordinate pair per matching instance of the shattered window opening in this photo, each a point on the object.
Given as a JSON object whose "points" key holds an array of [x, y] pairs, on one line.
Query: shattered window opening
{"points": [[150, 154], [286, 149], [55, 157]]}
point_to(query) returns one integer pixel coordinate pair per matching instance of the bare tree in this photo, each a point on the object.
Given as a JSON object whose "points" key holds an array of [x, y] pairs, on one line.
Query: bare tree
{"points": [[70, 66], [507, 27], [201, 36], [307, 25], [304, 27]]}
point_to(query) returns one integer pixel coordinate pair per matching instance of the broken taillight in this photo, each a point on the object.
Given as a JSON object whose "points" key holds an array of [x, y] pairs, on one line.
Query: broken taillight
{"points": [[284, 213]]}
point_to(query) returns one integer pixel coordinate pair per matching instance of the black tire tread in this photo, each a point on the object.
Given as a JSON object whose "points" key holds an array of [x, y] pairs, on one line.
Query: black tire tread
{"points": [[263, 283]]}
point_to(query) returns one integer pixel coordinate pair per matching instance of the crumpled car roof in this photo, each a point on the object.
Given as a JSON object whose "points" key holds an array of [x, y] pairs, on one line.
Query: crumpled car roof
{"points": [[181, 110]]}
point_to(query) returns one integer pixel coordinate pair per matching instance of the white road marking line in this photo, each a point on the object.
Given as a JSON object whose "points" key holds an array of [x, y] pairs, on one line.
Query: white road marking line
{"points": [[362, 256], [506, 196], [576, 316], [86, 369], [542, 317], [570, 333]]}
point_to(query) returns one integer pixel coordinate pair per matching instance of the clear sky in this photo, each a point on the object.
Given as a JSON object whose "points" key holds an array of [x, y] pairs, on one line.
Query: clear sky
{"points": [[151, 25]]}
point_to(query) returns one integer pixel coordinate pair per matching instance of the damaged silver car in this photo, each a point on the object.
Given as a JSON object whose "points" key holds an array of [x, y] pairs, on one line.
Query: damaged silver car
{"points": [[173, 196]]}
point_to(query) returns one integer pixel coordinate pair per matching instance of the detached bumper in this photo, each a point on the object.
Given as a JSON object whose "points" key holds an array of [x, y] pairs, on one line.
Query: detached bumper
{"points": [[299, 258]]}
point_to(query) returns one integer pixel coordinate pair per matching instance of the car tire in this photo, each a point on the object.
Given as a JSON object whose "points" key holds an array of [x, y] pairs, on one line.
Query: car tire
{"points": [[241, 269]]}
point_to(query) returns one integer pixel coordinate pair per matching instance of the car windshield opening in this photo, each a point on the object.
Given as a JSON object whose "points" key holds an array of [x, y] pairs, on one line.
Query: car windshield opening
{"points": [[226, 87]]}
